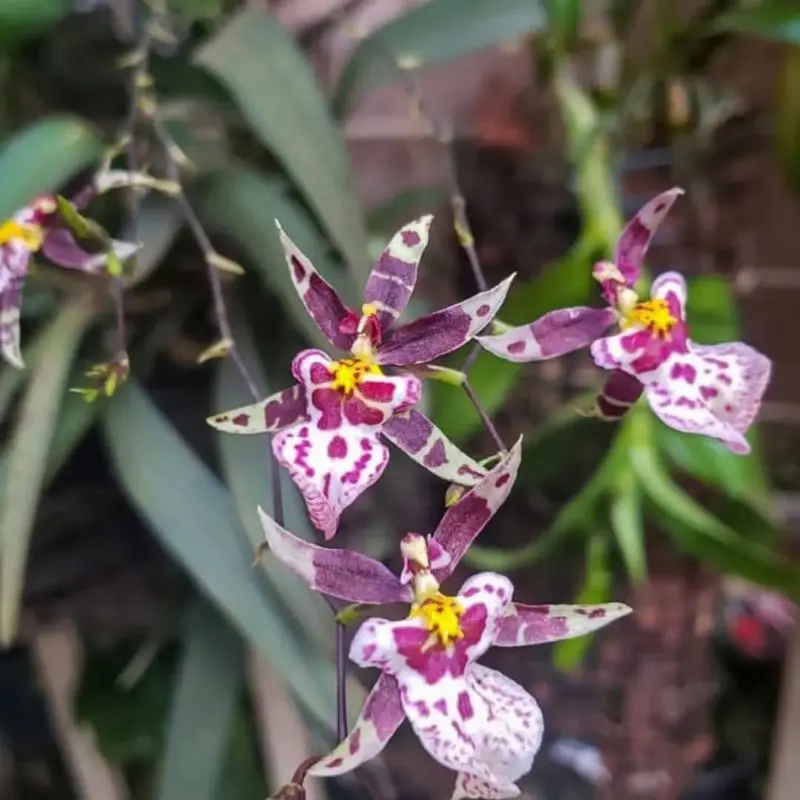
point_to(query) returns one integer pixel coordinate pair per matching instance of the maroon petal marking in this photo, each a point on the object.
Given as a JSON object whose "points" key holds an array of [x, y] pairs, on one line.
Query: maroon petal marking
{"points": [[394, 275], [618, 396], [555, 334], [434, 335], [463, 521], [381, 716], [345, 574], [337, 454], [525, 625], [420, 439], [320, 298], [636, 236], [277, 411]]}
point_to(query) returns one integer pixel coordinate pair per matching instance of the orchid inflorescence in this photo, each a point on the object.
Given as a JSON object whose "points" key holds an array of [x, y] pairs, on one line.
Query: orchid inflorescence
{"points": [[330, 428]]}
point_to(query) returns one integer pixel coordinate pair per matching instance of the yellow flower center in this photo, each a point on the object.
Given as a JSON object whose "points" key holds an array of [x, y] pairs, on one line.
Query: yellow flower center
{"points": [[349, 372], [654, 315], [369, 310], [442, 616], [29, 235]]}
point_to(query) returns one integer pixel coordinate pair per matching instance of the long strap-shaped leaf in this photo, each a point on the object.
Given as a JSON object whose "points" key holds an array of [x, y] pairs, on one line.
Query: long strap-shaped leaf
{"points": [[209, 684], [27, 457], [194, 518]]}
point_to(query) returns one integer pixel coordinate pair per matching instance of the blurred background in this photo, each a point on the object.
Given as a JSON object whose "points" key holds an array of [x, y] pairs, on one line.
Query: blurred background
{"points": [[145, 656]]}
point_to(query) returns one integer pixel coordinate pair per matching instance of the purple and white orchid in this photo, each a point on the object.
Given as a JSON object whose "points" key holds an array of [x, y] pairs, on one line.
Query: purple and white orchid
{"points": [[712, 390], [34, 228], [328, 424], [472, 719]]}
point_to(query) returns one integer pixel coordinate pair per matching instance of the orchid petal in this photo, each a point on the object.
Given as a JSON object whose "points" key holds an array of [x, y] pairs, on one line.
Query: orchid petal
{"points": [[10, 304], [345, 574], [421, 440], [463, 521], [336, 454], [618, 396], [714, 390], [635, 238], [434, 335], [525, 625], [671, 286], [277, 411], [61, 247], [321, 300], [394, 275], [381, 716], [555, 334], [403, 648], [508, 736], [637, 351]]}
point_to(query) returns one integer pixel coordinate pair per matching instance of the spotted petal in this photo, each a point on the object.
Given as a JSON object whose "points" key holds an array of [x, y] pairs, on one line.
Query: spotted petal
{"points": [[381, 716], [420, 439], [635, 238], [463, 521], [455, 709], [434, 335], [10, 304], [524, 625], [345, 574], [638, 351], [60, 246], [336, 455], [394, 275], [321, 300], [714, 390], [507, 737], [267, 416], [555, 334]]}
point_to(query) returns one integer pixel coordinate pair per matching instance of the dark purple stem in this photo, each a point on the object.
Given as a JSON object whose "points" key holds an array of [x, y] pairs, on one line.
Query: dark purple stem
{"points": [[487, 422], [341, 682]]}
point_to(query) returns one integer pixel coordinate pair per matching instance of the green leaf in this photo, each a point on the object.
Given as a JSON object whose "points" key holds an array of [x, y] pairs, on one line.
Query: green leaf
{"points": [[566, 283], [242, 203], [787, 122], [597, 588], [435, 31], [711, 462], [695, 530], [627, 524], [195, 519], [27, 456], [128, 722], [22, 19], [711, 310], [41, 157], [773, 19], [209, 686], [275, 89]]}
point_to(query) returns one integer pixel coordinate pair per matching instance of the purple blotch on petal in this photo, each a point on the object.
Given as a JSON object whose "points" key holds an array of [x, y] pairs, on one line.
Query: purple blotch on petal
{"points": [[555, 334], [434, 335]]}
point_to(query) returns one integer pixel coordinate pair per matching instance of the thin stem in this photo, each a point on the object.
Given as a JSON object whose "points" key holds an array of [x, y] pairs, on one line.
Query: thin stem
{"points": [[341, 685], [485, 419]]}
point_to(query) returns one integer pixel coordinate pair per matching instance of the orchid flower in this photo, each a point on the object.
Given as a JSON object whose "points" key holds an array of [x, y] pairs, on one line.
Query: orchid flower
{"points": [[328, 425], [472, 719], [712, 390], [34, 228]]}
